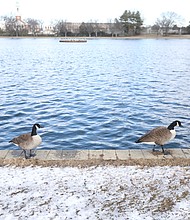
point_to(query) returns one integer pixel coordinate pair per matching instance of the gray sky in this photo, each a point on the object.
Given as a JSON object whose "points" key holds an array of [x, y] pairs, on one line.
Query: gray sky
{"points": [[98, 10]]}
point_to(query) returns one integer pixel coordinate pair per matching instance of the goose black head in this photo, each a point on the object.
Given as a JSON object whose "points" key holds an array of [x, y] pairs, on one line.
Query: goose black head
{"points": [[38, 125], [173, 124]]}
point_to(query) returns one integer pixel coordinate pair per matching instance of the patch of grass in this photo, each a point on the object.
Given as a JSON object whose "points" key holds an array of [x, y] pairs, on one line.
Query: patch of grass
{"points": [[21, 162], [165, 205]]}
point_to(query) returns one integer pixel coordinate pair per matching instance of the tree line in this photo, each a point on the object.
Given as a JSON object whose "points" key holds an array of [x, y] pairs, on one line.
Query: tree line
{"points": [[130, 23]]}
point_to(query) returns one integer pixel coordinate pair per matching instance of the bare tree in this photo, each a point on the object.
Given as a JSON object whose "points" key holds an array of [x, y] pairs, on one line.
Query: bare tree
{"points": [[155, 28], [10, 25], [96, 28], [167, 21], [33, 26], [116, 28], [89, 28], [61, 28]]}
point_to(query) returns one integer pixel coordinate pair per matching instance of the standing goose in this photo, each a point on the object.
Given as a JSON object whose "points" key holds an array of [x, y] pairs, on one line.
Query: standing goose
{"points": [[160, 135], [28, 141]]}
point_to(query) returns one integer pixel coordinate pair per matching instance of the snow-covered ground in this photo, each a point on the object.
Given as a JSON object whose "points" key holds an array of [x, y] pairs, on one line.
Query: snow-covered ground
{"points": [[102, 193]]}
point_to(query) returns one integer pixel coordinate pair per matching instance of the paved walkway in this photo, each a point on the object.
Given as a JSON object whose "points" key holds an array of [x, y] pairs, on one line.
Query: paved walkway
{"points": [[104, 155]]}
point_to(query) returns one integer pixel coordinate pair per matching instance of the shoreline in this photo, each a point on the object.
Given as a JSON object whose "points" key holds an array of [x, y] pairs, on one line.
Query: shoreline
{"points": [[147, 36], [88, 158]]}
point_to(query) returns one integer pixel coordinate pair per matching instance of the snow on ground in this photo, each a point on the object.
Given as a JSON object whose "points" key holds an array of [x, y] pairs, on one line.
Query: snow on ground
{"points": [[102, 193]]}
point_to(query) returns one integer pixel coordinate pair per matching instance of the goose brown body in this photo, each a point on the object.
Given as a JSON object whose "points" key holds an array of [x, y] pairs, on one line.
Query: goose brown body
{"points": [[159, 136], [26, 141]]}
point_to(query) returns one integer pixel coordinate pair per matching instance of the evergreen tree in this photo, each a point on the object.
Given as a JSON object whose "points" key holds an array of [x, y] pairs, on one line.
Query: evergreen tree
{"points": [[131, 22]]}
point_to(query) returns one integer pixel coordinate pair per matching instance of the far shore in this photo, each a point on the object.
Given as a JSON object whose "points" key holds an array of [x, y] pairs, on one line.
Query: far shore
{"points": [[148, 36]]}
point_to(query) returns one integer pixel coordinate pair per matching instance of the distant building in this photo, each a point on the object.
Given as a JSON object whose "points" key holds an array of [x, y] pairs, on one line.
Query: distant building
{"points": [[19, 23]]}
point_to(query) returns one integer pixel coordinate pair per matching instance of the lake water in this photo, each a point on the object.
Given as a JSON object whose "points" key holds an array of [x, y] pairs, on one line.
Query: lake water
{"points": [[102, 94]]}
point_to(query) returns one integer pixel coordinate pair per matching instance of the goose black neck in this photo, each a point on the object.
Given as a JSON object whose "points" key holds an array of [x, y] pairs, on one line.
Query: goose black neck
{"points": [[171, 126], [34, 131]]}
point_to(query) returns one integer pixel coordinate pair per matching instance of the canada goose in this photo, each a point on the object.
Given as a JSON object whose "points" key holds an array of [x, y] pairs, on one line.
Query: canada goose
{"points": [[160, 135], [28, 141]]}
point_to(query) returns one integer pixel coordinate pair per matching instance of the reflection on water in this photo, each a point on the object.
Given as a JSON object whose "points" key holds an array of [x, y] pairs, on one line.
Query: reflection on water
{"points": [[102, 94]]}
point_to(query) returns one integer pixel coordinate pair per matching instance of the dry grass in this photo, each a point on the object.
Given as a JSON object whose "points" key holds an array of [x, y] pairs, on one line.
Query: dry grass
{"points": [[21, 162]]}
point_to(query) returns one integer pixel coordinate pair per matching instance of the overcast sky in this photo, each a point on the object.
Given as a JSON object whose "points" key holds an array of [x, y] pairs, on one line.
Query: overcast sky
{"points": [[97, 10]]}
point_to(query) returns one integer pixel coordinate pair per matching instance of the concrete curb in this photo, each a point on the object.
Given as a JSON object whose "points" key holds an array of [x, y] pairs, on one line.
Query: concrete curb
{"points": [[84, 155]]}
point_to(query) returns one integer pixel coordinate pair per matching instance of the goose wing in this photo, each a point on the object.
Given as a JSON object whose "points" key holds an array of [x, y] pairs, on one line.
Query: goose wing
{"points": [[22, 139], [159, 136]]}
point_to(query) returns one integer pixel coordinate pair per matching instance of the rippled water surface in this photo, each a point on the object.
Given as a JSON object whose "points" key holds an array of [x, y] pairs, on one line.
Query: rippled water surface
{"points": [[102, 94]]}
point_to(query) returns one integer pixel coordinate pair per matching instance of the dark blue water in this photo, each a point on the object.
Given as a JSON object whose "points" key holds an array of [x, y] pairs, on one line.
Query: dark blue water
{"points": [[102, 94]]}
